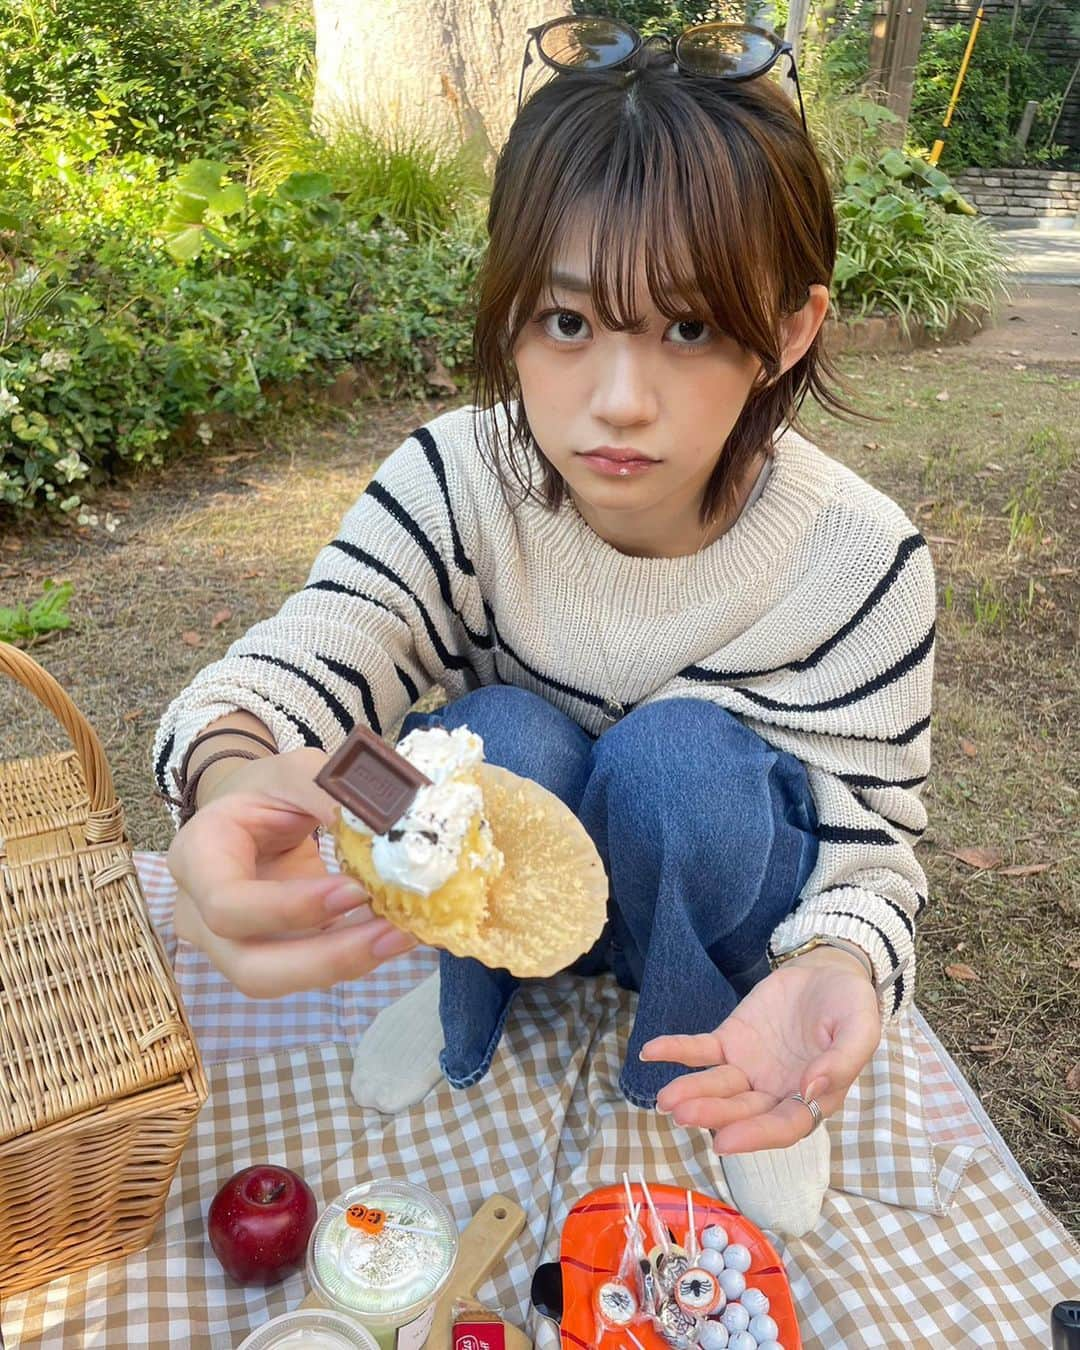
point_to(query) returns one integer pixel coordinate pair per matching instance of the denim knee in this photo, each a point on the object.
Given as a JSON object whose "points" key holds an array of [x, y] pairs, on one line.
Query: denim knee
{"points": [[689, 769]]}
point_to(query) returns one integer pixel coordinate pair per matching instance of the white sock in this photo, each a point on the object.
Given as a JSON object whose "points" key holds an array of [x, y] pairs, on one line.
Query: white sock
{"points": [[781, 1188], [397, 1059]]}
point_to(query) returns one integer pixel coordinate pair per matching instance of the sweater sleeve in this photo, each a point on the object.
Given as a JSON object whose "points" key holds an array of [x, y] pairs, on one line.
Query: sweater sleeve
{"points": [[391, 607], [855, 709]]}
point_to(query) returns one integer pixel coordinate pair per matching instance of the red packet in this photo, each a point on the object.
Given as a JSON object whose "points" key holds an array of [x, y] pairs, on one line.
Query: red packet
{"points": [[479, 1329]]}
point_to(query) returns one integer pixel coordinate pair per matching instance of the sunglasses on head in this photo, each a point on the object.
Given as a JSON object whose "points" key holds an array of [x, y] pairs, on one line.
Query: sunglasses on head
{"points": [[720, 51]]}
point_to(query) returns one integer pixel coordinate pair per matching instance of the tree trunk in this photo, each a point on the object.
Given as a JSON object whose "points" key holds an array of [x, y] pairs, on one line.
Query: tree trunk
{"points": [[446, 68]]}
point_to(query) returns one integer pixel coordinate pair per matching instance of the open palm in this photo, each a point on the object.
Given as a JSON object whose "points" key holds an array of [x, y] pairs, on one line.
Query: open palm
{"points": [[808, 1029]]}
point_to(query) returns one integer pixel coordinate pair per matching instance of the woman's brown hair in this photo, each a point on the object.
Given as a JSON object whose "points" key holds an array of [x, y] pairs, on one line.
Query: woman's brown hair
{"points": [[726, 192]]}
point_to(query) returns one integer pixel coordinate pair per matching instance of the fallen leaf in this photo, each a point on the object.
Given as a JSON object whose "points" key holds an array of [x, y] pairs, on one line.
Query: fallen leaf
{"points": [[192, 638], [1025, 870], [133, 714], [961, 972], [222, 616], [998, 412], [12, 545], [1062, 571], [1073, 965], [871, 445], [941, 539], [991, 1048], [1019, 366], [943, 397], [978, 857], [998, 468], [1016, 353], [969, 747], [250, 576], [1073, 1122], [1072, 1079], [925, 504]]}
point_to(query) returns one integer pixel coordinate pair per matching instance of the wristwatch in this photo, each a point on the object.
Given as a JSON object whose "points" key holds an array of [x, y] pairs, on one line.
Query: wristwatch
{"points": [[853, 949]]}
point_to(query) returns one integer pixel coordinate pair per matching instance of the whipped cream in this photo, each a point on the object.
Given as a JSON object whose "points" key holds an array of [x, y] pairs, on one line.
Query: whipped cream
{"points": [[422, 849]]}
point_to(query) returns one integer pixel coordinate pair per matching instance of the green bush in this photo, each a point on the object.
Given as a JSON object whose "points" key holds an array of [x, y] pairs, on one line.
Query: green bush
{"points": [[908, 245], [185, 78], [1001, 78]]}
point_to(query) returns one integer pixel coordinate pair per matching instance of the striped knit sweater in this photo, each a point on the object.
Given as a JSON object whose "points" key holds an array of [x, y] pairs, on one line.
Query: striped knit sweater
{"points": [[811, 619]]}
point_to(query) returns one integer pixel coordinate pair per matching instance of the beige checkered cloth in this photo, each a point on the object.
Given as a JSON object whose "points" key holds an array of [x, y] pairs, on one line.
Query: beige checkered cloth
{"points": [[929, 1235]]}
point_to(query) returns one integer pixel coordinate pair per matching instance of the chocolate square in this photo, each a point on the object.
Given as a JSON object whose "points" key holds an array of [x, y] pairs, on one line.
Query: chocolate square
{"points": [[370, 779]]}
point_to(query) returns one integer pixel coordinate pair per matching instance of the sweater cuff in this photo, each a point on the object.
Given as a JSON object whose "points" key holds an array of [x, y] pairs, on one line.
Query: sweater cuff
{"points": [[861, 917]]}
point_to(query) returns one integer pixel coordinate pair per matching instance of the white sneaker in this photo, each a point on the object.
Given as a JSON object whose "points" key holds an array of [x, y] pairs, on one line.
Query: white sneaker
{"points": [[781, 1188]]}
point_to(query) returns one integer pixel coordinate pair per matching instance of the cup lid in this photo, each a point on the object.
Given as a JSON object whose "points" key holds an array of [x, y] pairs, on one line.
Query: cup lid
{"points": [[386, 1272], [310, 1329]]}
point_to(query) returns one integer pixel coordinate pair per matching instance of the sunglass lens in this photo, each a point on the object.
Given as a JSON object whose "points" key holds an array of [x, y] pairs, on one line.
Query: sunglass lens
{"points": [[587, 43], [727, 49]]}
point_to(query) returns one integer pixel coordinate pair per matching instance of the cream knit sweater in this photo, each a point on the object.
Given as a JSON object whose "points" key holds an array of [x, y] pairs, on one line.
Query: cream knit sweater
{"points": [[811, 619]]}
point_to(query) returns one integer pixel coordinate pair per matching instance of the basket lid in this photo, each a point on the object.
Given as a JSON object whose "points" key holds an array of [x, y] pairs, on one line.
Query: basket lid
{"points": [[89, 1011]]}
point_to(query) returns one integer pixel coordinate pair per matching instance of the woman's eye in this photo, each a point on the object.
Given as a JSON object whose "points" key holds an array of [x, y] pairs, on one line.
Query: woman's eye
{"points": [[691, 333], [563, 325]]}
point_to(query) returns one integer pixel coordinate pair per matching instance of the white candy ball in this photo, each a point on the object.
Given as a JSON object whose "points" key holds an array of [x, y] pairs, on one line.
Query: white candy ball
{"points": [[731, 1282], [713, 1336], [712, 1261], [763, 1328], [735, 1317], [742, 1340], [754, 1301], [737, 1257], [715, 1238]]}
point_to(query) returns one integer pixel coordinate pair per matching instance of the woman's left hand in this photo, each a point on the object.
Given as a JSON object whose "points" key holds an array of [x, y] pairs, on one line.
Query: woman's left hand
{"points": [[809, 1027]]}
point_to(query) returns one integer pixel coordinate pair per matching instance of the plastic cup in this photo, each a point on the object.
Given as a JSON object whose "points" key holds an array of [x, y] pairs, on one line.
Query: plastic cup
{"points": [[388, 1282], [310, 1329]]}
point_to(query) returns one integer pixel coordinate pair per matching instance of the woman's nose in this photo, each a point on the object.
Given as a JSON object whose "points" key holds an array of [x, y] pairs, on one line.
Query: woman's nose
{"points": [[624, 393]]}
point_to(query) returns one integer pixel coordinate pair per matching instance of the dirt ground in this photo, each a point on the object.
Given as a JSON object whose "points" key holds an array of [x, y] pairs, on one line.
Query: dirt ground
{"points": [[978, 444]]}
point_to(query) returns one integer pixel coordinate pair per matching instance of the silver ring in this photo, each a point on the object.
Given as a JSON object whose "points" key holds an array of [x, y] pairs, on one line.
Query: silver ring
{"points": [[812, 1106]]}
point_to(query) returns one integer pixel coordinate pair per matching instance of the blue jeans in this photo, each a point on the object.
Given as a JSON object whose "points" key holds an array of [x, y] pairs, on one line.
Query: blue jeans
{"points": [[707, 835]]}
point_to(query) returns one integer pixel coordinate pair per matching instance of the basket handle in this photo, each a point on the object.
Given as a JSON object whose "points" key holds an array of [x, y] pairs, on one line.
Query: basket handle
{"points": [[105, 823]]}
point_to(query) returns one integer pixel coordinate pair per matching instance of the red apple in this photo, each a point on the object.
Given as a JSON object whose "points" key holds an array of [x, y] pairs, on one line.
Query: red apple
{"points": [[259, 1223]]}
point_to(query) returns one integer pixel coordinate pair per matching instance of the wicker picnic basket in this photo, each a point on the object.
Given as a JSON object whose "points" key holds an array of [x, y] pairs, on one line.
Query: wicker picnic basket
{"points": [[100, 1078]]}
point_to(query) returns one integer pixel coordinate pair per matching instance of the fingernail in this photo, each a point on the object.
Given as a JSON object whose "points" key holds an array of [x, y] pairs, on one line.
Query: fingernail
{"points": [[816, 1088], [349, 895], [393, 943]]}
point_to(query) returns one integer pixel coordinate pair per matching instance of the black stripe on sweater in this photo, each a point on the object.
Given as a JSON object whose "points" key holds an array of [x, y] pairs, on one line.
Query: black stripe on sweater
{"points": [[434, 459], [907, 829], [335, 705], [407, 683], [446, 657], [503, 647], [904, 915], [162, 760], [846, 834], [895, 672], [867, 780], [353, 677], [911, 544], [339, 588], [393, 507]]}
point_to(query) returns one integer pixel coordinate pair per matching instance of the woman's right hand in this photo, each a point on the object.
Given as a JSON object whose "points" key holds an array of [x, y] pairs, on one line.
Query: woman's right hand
{"points": [[254, 894]]}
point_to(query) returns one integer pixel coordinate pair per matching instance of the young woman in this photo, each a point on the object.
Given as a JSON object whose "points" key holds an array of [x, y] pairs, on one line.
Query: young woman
{"points": [[644, 591]]}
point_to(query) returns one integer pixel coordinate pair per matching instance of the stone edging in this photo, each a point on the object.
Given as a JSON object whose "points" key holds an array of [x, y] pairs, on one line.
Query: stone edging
{"points": [[885, 333]]}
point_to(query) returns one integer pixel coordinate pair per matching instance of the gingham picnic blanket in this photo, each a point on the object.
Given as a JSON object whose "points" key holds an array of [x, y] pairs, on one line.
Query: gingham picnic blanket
{"points": [[930, 1232]]}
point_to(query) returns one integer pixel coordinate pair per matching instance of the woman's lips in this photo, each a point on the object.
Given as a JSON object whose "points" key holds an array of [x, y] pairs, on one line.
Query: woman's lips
{"points": [[619, 468]]}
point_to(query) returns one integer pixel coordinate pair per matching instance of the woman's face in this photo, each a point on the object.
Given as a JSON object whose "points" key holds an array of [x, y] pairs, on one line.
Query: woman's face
{"points": [[671, 395]]}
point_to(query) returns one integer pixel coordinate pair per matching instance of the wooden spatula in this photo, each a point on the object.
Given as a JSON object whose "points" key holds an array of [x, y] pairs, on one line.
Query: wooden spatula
{"points": [[486, 1240]]}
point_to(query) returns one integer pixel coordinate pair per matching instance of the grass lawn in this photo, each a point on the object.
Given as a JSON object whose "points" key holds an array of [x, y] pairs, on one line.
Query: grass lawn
{"points": [[982, 456]]}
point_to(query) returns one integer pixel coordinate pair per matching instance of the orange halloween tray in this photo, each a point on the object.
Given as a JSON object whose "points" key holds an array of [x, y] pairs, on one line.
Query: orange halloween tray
{"points": [[591, 1249]]}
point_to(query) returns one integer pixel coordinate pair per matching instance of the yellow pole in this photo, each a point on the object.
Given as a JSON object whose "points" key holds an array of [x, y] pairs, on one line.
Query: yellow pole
{"points": [[939, 144]]}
